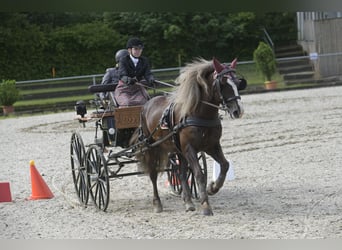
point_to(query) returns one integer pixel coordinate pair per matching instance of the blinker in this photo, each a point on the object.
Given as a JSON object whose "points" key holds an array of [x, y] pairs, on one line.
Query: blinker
{"points": [[242, 84]]}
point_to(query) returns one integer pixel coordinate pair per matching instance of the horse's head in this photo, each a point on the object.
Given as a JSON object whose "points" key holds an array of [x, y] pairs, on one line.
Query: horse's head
{"points": [[227, 86]]}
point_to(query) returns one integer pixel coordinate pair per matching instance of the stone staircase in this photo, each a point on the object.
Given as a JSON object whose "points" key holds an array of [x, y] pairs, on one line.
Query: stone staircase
{"points": [[295, 70]]}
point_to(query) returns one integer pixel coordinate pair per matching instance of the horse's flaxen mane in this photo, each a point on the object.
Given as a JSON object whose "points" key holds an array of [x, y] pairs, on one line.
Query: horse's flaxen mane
{"points": [[193, 84]]}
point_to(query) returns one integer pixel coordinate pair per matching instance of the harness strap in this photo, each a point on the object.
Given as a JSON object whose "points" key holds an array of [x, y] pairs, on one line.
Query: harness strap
{"points": [[167, 116], [198, 122]]}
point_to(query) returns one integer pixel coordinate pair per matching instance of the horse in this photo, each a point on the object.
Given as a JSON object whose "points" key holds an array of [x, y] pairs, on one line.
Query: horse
{"points": [[203, 87]]}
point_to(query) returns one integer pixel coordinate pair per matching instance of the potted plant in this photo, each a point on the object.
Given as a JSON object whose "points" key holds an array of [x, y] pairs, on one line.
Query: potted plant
{"points": [[9, 94], [266, 64]]}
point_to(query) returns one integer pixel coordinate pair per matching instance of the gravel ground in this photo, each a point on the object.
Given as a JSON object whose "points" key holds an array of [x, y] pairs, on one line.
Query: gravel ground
{"points": [[286, 153]]}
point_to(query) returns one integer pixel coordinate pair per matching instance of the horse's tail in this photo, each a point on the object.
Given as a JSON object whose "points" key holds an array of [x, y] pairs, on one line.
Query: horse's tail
{"points": [[151, 158]]}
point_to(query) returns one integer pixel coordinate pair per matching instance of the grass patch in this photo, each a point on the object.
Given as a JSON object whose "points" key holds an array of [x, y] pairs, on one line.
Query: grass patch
{"points": [[54, 100], [253, 77], [51, 90], [248, 71]]}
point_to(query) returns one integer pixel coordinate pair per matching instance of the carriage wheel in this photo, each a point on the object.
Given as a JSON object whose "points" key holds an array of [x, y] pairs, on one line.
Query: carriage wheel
{"points": [[173, 175], [98, 179], [77, 156]]}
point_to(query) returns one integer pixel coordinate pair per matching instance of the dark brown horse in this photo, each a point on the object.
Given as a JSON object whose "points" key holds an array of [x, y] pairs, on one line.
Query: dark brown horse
{"points": [[195, 126]]}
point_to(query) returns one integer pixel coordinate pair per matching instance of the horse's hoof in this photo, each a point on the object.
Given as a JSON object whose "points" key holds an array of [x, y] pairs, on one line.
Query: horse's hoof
{"points": [[157, 206], [158, 209], [208, 212], [189, 207], [206, 209]]}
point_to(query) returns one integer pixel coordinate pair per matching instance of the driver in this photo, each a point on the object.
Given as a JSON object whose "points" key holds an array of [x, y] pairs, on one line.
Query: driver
{"points": [[134, 67]]}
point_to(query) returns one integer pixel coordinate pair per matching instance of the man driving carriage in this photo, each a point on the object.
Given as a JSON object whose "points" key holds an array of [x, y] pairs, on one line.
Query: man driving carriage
{"points": [[133, 68]]}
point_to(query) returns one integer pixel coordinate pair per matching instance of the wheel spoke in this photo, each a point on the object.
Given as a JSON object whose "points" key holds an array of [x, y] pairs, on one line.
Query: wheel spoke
{"points": [[174, 175], [98, 177]]}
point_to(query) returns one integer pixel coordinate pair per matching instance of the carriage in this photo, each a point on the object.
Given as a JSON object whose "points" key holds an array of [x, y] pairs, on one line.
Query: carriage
{"points": [[129, 137], [93, 166]]}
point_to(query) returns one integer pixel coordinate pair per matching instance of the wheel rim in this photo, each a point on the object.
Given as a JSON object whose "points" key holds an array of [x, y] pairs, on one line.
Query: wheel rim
{"points": [[173, 175], [97, 176], [77, 155], [174, 179]]}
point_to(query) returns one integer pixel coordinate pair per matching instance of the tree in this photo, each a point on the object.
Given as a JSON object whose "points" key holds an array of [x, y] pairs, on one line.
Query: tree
{"points": [[84, 43], [21, 47]]}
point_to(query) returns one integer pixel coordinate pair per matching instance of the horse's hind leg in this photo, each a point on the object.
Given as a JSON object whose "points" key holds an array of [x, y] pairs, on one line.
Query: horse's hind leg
{"points": [[157, 205], [186, 192]]}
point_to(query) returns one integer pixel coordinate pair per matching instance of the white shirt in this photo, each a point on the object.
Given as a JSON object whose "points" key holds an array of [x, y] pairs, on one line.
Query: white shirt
{"points": [[134, 60]]}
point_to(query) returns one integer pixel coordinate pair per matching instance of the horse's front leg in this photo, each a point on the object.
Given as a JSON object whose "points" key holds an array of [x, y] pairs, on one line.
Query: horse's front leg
{"points": [[157, 205], [200, 180], [218, 156]]}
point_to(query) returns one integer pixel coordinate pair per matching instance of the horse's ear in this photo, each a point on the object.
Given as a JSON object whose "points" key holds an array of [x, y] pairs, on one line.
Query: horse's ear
{"points": [[233, 63], [217, 65]]}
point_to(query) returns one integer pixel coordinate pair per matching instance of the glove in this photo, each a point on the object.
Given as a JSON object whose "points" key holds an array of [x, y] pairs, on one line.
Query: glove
{"points": [[132, 81], [151, 82], [128, 80]]}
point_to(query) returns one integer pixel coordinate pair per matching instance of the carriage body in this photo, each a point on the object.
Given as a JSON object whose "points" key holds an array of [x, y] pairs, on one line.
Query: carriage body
{"points": [[117, 125]]}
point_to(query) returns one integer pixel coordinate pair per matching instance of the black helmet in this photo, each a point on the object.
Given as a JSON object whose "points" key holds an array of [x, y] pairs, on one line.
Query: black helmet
{"points": [[134, 42], [120, 54]]}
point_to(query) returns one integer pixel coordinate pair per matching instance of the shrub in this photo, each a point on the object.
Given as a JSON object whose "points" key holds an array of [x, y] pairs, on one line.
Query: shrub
{"points": [[9, 93], [265, 60]]}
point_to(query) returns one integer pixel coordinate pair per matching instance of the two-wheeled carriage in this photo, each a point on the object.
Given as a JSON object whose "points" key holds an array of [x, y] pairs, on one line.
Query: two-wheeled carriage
{"points": [[110, 155]]}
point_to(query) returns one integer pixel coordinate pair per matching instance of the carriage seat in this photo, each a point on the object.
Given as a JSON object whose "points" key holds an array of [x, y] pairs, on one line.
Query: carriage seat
{"points": [[125, 117]]}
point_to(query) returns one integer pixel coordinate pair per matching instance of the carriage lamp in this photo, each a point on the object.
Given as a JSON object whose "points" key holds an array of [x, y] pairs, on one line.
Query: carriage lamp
{"points": [[81, 108], [111, 131]]}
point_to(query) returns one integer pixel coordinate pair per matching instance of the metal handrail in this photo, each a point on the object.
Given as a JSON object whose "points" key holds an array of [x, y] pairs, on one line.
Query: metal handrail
{"points": [[93, 77], [268, 39]]}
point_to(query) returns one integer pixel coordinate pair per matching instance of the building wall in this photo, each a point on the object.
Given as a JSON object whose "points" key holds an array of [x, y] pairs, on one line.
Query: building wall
{"points": [[328, 34], [321, 32]]}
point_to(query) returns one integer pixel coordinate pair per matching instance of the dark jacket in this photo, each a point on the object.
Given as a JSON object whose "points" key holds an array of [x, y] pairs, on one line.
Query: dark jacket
{"points": [[128, 71], [111, 76]]}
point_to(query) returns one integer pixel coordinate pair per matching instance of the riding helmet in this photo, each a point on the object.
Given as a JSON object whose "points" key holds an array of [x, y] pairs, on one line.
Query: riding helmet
{"points": [[134, 42], [120, 54]]}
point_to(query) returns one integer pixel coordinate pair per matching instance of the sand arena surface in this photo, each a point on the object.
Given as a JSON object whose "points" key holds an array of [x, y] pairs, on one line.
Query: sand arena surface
{"points": [[287, 160]]}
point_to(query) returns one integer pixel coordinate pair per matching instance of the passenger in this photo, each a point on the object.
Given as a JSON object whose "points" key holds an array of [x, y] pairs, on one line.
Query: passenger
{"points": [[112, 74], [132, 69]]}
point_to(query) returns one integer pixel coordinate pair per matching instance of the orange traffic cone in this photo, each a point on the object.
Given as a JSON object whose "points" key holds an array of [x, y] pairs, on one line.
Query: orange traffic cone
{"points": [[39, 188], [5, 192]]}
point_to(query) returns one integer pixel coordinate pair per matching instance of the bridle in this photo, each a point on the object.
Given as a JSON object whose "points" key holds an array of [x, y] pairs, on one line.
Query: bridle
{"points": [[226, 72]]}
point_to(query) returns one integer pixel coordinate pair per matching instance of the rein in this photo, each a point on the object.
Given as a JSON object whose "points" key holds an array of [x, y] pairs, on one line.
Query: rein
{"points": [[212, 105]]}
